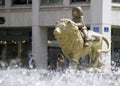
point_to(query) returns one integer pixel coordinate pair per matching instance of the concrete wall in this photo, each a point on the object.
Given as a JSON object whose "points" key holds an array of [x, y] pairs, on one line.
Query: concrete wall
{"points": [[22, 15], [16, 17], [19, 16]]}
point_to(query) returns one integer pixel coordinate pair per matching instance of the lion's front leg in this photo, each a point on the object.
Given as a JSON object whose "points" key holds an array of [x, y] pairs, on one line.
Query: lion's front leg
{"points": [[73, 65], [96, 63]]}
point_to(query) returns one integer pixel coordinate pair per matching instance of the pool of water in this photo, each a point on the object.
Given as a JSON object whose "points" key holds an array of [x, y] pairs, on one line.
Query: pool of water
{"points": [[38, 77]]}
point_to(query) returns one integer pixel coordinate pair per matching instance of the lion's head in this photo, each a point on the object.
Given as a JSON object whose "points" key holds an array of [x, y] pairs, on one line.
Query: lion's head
{"points": [[66, 29], [65, 25]]}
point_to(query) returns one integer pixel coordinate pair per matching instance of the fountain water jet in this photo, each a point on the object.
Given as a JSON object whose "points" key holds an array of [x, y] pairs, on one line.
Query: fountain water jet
{"points": [[39, 77]]}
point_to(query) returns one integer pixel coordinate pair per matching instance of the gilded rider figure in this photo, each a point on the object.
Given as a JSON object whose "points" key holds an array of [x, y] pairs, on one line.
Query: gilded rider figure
{"points": [[77, 14]]}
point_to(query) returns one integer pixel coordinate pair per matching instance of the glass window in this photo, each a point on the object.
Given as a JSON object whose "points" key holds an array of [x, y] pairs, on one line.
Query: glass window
{"points": [[30, 1], [2, 2], [51, 2], [12, 41], [72, 1], [21, 2], [116, 1]]}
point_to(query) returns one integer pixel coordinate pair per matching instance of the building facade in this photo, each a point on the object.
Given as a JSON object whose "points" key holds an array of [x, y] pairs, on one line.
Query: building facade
{"points": [[29, 26]]}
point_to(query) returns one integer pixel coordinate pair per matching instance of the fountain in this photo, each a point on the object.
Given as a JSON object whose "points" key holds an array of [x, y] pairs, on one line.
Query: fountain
{"points": [[40, 77]]}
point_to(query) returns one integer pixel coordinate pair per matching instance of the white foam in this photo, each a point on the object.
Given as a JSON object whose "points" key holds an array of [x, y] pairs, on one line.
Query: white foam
{"points": [[37, 77]]}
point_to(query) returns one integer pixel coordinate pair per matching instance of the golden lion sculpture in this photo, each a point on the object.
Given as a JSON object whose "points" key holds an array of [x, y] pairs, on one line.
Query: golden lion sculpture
{"points": [[71, 41]]}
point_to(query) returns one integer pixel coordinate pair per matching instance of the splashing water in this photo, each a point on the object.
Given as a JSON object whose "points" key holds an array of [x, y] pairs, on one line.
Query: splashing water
{"points": [[38, 77]]}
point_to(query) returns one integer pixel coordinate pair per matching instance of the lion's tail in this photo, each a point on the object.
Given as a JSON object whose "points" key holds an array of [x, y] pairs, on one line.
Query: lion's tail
{"points": [[108, 45]]}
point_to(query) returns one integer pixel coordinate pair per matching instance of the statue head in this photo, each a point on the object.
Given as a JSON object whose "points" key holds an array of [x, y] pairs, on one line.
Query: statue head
{"points": [[77, 12]]}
